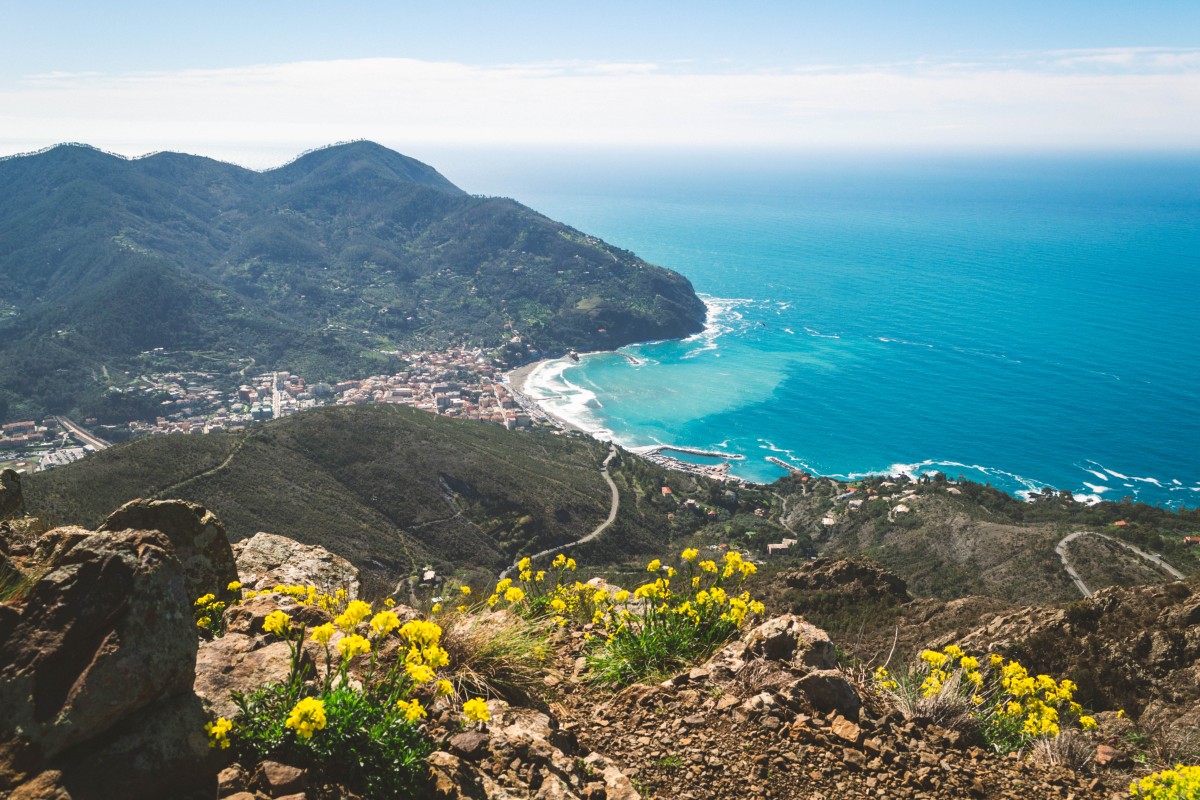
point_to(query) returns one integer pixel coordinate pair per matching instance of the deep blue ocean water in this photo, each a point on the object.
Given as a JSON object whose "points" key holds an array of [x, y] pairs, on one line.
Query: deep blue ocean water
{"points": [[1022, 321]]}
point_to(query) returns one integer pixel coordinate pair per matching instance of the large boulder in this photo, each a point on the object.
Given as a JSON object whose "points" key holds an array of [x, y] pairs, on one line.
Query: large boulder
{"points": [[12, 502], [196, 534], [96, 670], [267, 559]]}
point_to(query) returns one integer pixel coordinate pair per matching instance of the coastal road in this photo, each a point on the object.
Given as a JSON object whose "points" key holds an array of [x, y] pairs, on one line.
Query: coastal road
{"points": [[614, 506], [1153, 558], [82, 435]]}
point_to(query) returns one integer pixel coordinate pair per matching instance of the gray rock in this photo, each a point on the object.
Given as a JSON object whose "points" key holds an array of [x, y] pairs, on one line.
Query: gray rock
{"points": [[266, 559], [196, 534], [96, 669]]}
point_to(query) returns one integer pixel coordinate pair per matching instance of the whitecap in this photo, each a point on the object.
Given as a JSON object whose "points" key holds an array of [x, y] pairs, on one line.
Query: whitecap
{"points": [[1087, 499], [1097, 489], [1099, 475], [820, 335]]}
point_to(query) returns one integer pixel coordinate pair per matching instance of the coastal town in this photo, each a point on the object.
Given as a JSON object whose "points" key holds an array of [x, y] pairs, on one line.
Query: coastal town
{"points": [[456, 382]]}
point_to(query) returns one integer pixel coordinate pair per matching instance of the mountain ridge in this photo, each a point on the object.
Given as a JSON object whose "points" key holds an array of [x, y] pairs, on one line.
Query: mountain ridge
{"points": [[327, 264]]}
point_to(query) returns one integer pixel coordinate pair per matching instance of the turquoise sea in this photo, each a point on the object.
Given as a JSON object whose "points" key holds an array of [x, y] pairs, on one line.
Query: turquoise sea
{"points": [[1021, 321]]}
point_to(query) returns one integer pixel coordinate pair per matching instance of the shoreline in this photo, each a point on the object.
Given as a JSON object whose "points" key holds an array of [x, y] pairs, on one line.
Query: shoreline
{"points": [[518, 378]]}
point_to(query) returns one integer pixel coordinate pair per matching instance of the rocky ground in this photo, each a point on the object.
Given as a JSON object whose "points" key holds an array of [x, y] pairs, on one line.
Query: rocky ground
{"points": [[104, 687]]}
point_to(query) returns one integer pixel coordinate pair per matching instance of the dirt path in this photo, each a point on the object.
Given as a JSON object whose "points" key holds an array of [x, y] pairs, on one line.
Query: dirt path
{"points": [[614, 506], [1061, 549]]}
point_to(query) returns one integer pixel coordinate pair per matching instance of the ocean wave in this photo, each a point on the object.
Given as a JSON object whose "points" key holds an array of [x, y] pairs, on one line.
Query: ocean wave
{"points": [[820, 335], [1096, 488], [888, 340], [575, 405], [724, 316]]}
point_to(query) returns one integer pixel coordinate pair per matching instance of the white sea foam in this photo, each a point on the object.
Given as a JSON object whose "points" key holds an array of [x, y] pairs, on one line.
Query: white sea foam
{"points": [[558, 396], [1088, 499], [902, 341], [1097, 489], [1099, 475], [789, 330], [723, 317], [820, 335]]}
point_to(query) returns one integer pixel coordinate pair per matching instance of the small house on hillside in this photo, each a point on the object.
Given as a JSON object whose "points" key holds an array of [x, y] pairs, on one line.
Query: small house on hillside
{"points": [[1191, 540]]}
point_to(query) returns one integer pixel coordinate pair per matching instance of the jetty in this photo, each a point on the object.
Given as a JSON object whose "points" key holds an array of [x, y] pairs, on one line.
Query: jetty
{"points": [[785, 465], [655, 449]]}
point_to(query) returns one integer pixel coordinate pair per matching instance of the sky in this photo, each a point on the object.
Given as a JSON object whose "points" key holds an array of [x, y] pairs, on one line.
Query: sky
{"points": [[258, 81]]}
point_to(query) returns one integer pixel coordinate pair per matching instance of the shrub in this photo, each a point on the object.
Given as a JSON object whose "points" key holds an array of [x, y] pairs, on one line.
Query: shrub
{"points": [[999, 699], [666, 626], [1181, 783], [363, 731]]}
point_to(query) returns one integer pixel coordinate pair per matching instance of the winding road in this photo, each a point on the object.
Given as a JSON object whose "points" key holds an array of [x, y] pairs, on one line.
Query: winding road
{"points": [[1153, 558], [614, 506]]}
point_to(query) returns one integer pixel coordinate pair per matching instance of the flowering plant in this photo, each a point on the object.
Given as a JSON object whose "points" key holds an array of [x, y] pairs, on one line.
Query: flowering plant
{"points": [[998, 697], [363, 731]]}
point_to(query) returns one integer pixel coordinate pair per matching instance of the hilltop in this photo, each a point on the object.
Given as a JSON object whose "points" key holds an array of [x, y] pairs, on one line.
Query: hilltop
{"points": [[113, 267]]}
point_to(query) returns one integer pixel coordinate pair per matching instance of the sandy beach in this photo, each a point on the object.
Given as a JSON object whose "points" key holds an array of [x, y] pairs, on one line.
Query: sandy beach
{"points": [[516, 383]]}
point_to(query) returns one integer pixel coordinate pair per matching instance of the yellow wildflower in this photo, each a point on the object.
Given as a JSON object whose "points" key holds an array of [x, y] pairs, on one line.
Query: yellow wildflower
{"points": [[234, 586], [559, 561], [323, 633], [436, 609], [421, 632], [571, 564], [413, 710], [444, 688], [621, 596], [465, 590], [690, 554], [384, 623], [708, 566], [654, 566], [419, 673], [218, 733], [307, 716], [540, 576], [524, 564], [476, 710], [353, 645], [278, 623], [514, 595]]}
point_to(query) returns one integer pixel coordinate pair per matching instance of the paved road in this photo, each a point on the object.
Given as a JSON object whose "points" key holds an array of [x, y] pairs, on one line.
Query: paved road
{"points": [[1153, 558], [614, 506], [82, 435]]}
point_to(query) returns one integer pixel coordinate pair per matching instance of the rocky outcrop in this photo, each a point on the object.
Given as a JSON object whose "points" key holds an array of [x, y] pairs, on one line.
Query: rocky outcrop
{"points": [[266, 559], [12, 502], [195, 533], [1135, 648], [96, 670]]}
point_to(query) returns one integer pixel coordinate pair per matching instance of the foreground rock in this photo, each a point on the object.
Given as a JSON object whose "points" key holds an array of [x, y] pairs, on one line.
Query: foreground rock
{"points": [[12, 501], [195, 533], [96, 670]]}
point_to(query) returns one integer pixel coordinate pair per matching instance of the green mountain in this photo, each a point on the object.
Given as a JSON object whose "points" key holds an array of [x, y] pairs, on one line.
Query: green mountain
{"points": [[319, 266]]}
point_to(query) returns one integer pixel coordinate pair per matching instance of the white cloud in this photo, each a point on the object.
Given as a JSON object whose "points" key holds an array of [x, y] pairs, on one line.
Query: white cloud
{"points": [[1138, 98]]}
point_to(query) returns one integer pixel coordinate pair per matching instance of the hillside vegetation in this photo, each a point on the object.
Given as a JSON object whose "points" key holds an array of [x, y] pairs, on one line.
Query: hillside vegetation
{"points": [[320, 267]]}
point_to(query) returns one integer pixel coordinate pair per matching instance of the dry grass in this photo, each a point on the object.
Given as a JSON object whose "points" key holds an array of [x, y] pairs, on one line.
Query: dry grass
{"points": [[496, 654], [950, 708], [1070, 749]]}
